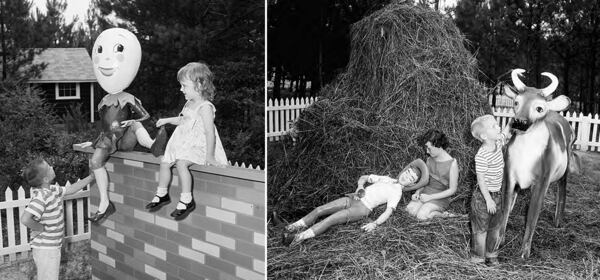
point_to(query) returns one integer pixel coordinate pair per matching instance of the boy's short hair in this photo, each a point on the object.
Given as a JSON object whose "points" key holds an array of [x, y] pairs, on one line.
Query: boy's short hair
{"points": [[436, 138], [33, 173], [477, 125], [198, 72]]}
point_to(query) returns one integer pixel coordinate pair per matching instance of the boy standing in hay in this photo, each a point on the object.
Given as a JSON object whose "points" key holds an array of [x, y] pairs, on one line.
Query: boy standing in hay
{"points": [[44, 215], [489, 166]]}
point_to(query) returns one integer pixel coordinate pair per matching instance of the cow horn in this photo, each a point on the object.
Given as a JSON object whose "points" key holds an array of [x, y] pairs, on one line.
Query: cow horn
{"points": [[515, 79], [552, 87]]}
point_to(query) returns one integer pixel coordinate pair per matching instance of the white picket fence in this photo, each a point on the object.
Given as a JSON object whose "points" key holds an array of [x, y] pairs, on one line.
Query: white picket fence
{"points": [[14, 236], [281, 115]]}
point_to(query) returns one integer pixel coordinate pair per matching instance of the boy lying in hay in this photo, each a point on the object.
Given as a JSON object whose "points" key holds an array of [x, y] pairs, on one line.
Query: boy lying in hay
{"points": [[355, 206]]}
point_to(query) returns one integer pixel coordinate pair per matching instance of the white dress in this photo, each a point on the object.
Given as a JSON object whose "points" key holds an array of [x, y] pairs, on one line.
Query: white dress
{"points": [[188, 141]]}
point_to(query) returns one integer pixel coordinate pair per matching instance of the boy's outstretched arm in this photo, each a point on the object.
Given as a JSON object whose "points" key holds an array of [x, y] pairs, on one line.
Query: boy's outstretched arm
{"points": [[75, 187], [380, 220]]}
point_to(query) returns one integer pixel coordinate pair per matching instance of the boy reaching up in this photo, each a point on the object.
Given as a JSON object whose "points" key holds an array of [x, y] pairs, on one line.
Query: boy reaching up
{"points": [[44, 215]]}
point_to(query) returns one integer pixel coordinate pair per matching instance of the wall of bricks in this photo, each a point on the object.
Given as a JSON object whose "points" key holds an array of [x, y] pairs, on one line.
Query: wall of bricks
{"points": [[224, 238]]}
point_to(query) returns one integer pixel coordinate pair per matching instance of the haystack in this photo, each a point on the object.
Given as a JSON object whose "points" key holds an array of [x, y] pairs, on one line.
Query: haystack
{"points": [[409, 72]]}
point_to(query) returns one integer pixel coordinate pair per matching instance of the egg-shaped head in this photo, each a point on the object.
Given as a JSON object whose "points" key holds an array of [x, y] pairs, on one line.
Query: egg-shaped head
{"points": [[116, 56]]}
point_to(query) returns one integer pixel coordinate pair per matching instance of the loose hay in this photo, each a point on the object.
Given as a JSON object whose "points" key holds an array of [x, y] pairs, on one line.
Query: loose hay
{"points": [[408, 72]]}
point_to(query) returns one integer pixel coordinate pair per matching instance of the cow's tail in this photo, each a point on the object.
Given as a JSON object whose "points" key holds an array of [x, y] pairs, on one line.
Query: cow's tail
{"points": [[574, 166]]}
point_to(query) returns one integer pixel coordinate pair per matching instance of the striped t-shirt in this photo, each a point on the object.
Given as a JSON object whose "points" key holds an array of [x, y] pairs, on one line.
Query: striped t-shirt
{"points": [[491, 165], [47, 206]]}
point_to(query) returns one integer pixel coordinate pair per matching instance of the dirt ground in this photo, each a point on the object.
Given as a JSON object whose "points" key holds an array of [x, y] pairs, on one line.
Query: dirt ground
{"points": [[74, 265]]}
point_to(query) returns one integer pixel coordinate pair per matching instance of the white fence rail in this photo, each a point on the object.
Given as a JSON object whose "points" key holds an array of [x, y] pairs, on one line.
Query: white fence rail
{"points": [[282, 113], [14, 236]]}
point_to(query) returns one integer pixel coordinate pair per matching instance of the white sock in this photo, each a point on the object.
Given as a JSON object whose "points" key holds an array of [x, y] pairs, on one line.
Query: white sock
{"points": [[185, 198], [160, 192], [309, 233], [143, 137], [298, 224]]}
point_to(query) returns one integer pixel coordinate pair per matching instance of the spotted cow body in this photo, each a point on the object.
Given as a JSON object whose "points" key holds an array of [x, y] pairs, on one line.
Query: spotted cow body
{"points": [[537, 155]]}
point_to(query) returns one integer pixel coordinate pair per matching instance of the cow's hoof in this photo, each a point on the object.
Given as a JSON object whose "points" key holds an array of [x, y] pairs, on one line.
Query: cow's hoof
{"points": [[525, 254]]}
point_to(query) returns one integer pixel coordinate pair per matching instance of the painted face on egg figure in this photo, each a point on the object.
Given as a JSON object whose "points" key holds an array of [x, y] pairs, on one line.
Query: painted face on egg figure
{"points": [[116, 56]]}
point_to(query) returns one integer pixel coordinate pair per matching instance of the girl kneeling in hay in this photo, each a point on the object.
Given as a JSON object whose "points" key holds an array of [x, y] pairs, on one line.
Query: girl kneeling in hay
{"points": [[358, 205], [433, 199]]}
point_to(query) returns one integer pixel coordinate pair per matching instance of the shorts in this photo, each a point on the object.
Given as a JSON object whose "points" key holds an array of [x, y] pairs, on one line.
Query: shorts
{"points": [[479, 216]]}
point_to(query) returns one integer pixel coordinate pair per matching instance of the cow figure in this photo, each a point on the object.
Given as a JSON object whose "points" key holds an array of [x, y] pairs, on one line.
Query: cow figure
{"points": [[537, 154]]}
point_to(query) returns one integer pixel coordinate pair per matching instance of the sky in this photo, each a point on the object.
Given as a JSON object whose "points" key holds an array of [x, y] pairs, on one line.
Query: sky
{"points": [[74, 7]]}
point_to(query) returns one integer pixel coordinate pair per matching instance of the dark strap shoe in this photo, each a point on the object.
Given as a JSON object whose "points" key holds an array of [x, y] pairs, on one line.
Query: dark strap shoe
{"points": [[98, 217], [287, 238], [180, 214], [160, 142], [155, 206]]}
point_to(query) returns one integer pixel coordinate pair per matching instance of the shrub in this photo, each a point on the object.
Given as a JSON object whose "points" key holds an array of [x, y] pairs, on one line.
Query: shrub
{"points": [[28, 126]]}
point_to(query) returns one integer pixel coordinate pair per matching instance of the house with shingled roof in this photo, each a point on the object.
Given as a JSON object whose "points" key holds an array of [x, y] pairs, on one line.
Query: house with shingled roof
{"points": [[67, 80]]}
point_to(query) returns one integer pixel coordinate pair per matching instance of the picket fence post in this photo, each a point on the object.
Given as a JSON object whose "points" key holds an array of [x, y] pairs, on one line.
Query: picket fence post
{"points": [[584, 131]]}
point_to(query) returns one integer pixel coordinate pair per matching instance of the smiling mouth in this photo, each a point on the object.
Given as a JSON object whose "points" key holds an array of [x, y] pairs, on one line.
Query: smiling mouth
{"points": [[107, 71]]}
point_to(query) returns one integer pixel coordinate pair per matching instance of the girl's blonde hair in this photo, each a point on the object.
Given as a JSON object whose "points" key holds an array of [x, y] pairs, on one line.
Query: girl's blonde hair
{"points": [[200, 74]]}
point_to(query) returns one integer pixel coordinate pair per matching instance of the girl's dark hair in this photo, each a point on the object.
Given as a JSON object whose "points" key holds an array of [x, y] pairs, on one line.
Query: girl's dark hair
{"points": [[436, 137]]}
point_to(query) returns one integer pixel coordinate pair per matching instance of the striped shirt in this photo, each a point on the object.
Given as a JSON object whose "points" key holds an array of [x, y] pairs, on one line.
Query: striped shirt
{"points": [[46, 206], [491, 165]]}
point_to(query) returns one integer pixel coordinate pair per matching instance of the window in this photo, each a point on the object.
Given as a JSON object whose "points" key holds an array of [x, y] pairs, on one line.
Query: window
{"points": [[66, 91]]}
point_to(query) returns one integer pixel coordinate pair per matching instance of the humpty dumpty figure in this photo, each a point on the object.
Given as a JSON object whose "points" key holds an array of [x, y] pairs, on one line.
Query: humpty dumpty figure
{"points": [[116, 57]]}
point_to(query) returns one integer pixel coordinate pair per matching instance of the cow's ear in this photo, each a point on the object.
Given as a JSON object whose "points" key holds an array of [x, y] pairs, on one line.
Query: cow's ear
{"points": [[509, 92], [559, 103]]}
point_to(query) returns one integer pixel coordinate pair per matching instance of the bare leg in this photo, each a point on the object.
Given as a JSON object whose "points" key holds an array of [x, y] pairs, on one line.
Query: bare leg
{"points": [[326, 209], [164, 174], [185, 177], [164, 177], [428, 211], [413, 207], [355, 212]]}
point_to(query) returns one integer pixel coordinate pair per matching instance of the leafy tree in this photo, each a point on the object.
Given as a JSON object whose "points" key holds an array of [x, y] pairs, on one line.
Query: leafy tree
{"points": [[15, 33], [561, 37], [309, 40]]}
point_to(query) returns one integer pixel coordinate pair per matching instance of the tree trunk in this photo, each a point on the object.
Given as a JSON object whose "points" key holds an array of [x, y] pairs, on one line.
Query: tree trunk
{"points": [[277, 83], [566, 66], [592, 77], [302, 86], [3, 39]]}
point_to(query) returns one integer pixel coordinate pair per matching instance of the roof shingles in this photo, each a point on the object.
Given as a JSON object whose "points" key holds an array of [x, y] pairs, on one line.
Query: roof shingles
{"points": [[65, 65]]}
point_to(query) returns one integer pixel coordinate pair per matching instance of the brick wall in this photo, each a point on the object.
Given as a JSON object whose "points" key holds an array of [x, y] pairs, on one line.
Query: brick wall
{"points": [[224, 238]]}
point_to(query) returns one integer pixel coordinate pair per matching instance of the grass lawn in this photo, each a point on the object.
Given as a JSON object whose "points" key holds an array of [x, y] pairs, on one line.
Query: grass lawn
{"points": [[74, 264], [404, 248]]}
